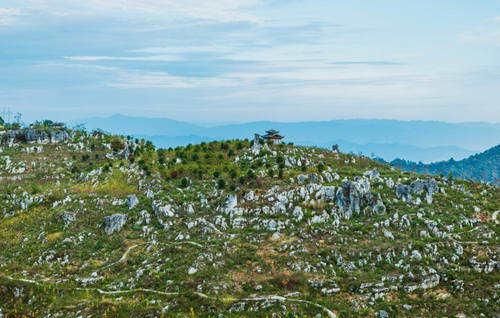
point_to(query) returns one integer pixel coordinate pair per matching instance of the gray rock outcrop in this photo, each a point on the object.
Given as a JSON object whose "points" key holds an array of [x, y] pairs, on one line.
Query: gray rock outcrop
{"points": [[429, 187], [132, 201], [114, 223], [353, 195], [33, 135], [68, 218]]}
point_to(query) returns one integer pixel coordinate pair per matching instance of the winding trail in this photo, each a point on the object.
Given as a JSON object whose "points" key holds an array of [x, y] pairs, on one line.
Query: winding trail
{"points": [[276, 298]]}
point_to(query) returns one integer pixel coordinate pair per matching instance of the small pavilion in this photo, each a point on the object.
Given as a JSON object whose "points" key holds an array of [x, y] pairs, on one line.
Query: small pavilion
{"points": [[273, 136]]}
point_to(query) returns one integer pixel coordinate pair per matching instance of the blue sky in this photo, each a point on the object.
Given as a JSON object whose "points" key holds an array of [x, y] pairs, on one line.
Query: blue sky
{"points": [[243, 60]]}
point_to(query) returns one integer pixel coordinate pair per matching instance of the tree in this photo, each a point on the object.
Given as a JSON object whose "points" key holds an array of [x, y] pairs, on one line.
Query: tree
{"points": [[320, 167], [184, 182], [117, 144], [221, 184], [2, 122]]}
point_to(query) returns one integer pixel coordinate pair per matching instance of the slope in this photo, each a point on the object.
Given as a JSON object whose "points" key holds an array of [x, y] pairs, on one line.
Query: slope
{"points": [[104, 226], [484, 167]]}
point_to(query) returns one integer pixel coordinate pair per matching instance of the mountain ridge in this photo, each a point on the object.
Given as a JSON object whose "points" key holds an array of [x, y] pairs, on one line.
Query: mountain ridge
{"points": [[454, 140], [484, 166]]}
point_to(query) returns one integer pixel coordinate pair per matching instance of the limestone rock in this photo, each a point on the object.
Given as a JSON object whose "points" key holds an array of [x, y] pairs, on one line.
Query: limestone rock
{"points": [[231, 202], [68, 218], [114, 223], [132, 201]]}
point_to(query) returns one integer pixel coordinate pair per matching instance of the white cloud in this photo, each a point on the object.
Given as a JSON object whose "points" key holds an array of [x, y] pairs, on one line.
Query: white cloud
{"points": [[219, 10], [152, 58], [488, 33], [385, 83], [8, 16], [161, 80], [158, 10], [185, 49]]}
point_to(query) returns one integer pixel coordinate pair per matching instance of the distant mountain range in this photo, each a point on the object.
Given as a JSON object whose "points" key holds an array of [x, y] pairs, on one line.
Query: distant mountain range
{"points": [[425, 141], [484, 166]]}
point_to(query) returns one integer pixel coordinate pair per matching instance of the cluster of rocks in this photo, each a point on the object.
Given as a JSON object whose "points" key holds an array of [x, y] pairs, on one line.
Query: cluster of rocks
{"points": [[406, 192], [114, 223], [34, 135], [327, 226]]}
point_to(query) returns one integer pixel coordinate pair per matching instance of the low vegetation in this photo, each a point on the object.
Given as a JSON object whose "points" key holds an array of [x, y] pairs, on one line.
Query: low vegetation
{"points": [[482, 167], [93, 225]]}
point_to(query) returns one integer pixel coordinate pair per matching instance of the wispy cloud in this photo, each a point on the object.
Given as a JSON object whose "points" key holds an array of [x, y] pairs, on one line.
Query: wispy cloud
{"points": [[319, 81], [488, 33], [162, 80], [221, 49], [238, 53], [218, 10], [8, 16], [215, 10], [152, 58]]}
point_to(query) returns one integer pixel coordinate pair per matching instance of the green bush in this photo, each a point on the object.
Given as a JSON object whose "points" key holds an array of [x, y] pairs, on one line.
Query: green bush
{"points": [[221, 183], [184, 182], [117, 144]]}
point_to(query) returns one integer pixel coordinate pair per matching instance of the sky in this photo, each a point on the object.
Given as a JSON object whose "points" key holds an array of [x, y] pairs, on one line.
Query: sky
{"points": [[245, 60]]}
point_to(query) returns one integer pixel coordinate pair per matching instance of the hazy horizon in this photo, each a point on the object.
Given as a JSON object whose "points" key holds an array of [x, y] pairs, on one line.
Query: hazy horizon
{"points": [[28, 118]]}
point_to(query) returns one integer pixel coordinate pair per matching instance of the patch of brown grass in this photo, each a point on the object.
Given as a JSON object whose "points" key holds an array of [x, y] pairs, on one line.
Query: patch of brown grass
{"points": [[54, 236]]}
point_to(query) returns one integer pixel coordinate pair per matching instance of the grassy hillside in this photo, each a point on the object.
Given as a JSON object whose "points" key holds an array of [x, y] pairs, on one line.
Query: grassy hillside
{"points": [[227, 228], [483, 167]]}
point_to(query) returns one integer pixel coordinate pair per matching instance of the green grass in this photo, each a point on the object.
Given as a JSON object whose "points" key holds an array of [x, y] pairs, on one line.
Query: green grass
{"points": [[232, 263]]}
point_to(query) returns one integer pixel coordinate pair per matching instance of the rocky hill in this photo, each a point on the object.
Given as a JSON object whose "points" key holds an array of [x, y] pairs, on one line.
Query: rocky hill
{"points": [[93, 225], [483, 167]]}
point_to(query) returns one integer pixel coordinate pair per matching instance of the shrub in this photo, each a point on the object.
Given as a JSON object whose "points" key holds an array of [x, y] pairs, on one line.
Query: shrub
{"points": [[241, 180], [250, 174], [233, 173], [320, 167], [221, 183], [270, 172], [280, 159], [174, 174], [117, 144], [184, 182]]}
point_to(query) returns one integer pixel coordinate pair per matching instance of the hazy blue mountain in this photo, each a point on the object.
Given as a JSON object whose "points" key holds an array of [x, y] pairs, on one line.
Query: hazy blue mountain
{"points": [[472, 136], [390, 151], [121, 124], [175, 141], [484, 166], [424, 141]]}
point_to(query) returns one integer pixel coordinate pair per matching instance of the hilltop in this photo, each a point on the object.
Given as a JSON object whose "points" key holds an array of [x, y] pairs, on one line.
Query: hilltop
{"points": [[98, 225], [425, 141], [483, 167]]}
